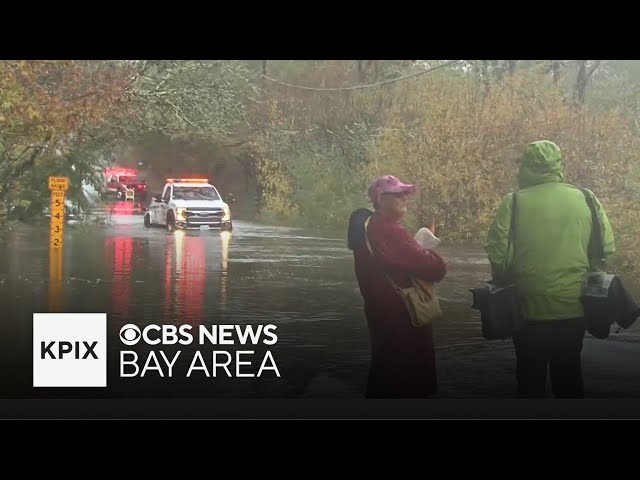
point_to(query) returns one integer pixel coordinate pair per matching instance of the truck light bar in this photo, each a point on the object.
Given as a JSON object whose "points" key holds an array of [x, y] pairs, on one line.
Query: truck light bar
{"points": [[121, 171], [188, 180]]}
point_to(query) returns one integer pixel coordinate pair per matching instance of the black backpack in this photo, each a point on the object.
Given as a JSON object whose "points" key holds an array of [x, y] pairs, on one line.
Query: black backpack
{"points": [[356, 235]]}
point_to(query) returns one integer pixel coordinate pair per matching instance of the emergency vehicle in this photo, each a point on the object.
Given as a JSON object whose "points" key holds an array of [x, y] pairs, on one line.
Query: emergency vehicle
{"points": [[124, 184], [188, 203]]}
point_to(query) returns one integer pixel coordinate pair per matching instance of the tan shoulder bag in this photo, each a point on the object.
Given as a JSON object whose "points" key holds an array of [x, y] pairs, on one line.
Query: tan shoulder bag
{"points": [[420, 298]]}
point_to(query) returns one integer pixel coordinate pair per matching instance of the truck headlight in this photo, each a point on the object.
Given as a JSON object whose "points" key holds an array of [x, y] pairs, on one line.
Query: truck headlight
{"points": [[180, 213], [227, 214]]}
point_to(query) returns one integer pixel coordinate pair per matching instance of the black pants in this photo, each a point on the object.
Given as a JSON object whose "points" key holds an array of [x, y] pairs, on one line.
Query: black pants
{"points": [[558, 344]]}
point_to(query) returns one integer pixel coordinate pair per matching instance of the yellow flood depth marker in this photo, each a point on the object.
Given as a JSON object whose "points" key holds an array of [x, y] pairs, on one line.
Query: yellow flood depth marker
{"points": [[58, 187]]}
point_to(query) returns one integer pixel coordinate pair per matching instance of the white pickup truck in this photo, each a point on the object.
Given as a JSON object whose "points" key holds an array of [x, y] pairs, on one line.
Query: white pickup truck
{"points": [[188, 203]]}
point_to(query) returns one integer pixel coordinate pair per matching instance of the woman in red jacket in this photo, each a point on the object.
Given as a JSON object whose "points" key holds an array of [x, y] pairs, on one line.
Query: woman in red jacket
{"points": [[402, 356]]}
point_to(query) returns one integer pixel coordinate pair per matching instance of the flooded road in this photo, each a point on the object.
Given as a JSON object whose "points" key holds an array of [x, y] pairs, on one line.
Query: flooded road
{"points": [[299, 281]]}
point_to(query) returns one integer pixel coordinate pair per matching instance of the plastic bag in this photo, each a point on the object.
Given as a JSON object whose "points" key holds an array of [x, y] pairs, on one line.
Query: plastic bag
{"points": [[427, 239]]}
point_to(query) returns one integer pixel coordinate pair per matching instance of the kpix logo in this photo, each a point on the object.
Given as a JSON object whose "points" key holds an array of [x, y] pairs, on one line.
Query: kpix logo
{"points": [[69, 350]]}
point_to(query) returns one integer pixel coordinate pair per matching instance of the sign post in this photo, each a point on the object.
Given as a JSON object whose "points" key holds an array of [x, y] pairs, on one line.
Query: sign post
{"points": [[58, 187]]}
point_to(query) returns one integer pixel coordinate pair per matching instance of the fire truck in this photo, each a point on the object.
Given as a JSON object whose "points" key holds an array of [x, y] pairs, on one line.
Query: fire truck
{"points": [[125, 184]]}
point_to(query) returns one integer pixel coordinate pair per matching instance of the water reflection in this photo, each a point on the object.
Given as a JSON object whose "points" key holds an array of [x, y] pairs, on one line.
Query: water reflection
{"points": [[118, 251], [191, 268], [168, 281], [225, 238], [123, 208], [56, 299]]}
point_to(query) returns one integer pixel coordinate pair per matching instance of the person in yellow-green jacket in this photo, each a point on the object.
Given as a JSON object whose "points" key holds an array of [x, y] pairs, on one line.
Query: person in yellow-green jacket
{"points": [[551, 245]]}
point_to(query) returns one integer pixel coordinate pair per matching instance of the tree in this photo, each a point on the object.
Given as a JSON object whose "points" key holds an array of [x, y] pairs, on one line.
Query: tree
{"points": [[182, 99], [46, 105], [584, 74]]}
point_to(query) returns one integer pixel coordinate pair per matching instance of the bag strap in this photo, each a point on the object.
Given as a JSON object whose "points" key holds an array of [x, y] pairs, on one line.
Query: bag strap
{"points": [[512, 236], [596, 248], [394, 284], [366, 236]]}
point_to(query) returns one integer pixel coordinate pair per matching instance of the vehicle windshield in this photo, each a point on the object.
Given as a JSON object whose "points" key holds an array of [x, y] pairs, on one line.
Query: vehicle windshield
{"points": [[195, 193]]}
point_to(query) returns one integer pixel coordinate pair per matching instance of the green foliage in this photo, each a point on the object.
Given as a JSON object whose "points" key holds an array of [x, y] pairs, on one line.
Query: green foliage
{"points": [[45, 109], [190, 99], [455, 133]]}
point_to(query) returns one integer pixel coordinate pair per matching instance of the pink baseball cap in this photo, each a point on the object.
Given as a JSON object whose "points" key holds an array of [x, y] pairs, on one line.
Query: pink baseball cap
{"points": [[388, 184]]}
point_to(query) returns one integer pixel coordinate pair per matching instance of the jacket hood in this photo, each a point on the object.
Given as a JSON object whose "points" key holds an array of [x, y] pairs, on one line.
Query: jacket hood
{"points": [[540, 162]]}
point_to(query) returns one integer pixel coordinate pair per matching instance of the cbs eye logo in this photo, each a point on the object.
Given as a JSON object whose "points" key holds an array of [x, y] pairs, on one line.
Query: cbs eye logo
{"points": [[130, 334]]}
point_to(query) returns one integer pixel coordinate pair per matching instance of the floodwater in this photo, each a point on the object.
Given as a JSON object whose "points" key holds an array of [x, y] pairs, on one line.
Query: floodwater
{"points": [[300, 282]]}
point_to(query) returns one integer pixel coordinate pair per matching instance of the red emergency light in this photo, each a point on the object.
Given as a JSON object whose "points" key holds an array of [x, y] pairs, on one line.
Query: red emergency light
{"points": [[188, 180], [121, 171]]}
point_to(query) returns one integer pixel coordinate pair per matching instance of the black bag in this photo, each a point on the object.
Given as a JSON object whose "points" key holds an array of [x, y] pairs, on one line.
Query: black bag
{"points": [[498, 302], [605, 299], [500, 311]]}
